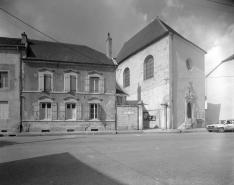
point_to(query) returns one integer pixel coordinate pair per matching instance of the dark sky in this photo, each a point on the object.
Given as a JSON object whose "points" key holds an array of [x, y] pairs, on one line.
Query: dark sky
{"points": [[208, 24]]}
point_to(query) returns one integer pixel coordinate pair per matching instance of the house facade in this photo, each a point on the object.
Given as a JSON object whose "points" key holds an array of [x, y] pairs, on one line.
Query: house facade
{"points": [[220, 89], [66, 87], [165, 71], [10, 60]]}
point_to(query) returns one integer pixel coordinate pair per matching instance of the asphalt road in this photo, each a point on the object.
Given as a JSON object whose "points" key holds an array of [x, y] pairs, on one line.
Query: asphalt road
{"points": [[138, 159]]}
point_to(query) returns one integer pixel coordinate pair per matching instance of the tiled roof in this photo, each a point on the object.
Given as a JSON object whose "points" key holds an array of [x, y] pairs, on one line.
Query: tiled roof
{"points": [[120, 91], [151, 33], [10, 41], [52, 51]]}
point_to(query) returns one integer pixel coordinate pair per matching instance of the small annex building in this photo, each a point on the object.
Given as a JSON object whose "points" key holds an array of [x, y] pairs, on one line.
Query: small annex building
{"points": [[220, 90], [164, 71], [55, 86]]}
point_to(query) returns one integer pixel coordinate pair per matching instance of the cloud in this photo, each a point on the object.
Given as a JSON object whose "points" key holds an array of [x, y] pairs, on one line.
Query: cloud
{"points": [[76, 21], [223, 47], [174, 4]]}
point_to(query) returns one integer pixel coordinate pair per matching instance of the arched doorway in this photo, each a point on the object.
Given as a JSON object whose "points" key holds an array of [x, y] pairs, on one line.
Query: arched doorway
{"points": [[189, 110]]}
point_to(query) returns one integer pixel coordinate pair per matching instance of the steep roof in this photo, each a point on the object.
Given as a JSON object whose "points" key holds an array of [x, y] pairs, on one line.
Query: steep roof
{"points": [[151, 33], [229, 58], [52, 51], [226, 60]]}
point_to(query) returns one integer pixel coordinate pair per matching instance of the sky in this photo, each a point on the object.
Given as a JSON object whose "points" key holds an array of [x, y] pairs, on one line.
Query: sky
{"points": [[207, 24]]}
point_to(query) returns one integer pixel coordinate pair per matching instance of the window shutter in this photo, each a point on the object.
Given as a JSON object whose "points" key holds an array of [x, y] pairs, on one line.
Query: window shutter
{"points": [[73, 83], [62, 111], [48, 78], [99, 111], [78, 111], [54, 111], [67, 83], [87, 84], [86, 111], [102, 85], [36, 111], [41, 82]]}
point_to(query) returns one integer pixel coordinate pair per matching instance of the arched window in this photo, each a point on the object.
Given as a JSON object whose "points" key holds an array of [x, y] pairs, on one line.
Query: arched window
{"points": [[149, 67], [126, 77]]}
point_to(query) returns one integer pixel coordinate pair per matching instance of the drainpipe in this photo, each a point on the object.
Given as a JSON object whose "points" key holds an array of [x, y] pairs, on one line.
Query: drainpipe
{"points": [[20, 89]]}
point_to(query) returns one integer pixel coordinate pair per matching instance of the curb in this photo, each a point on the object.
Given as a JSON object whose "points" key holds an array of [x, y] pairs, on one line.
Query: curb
{"points": [[153, 131]]}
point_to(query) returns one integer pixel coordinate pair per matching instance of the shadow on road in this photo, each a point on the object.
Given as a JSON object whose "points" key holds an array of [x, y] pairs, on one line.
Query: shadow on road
{"points": [[52, 169], [7, 143]]}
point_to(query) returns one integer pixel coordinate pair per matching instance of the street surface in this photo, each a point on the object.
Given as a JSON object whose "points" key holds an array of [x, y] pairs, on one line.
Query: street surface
{"points": [[137, 159]]}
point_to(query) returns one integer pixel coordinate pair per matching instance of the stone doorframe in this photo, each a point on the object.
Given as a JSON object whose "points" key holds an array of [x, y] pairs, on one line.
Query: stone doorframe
{"points": [[190, 98]]}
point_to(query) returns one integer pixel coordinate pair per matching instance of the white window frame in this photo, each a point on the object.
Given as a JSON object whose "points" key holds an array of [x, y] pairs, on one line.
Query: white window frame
{"points": [[46, 100], [97, 109], [99, 86], [4, 114], [8, 79], [66, 89], [39, 79]]}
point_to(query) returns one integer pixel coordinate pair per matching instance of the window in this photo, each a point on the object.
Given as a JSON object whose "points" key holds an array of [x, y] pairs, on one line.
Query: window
{"points": [[93, 111], [3, 80], [45, 111], [94, 84], [126, 77], [45, 80], [70, 111], [149, 67], [4, 110], [70, 83], [119, 100], [189, 64]]}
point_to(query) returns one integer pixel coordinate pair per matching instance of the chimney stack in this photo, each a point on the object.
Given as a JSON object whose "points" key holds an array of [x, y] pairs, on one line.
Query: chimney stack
{"points": [[24, 38], [109, 47]]}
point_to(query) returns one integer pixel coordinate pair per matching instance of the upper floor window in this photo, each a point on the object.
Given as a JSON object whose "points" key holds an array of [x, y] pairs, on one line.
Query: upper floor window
{"points": [[46, 80], [4, 110], [95, 83], [126, 77], [149, 67], [70, 81], [3, 79]]}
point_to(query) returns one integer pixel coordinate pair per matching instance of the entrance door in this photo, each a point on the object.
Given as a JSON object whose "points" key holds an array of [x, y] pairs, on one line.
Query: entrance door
{"points": [[189, 110]]}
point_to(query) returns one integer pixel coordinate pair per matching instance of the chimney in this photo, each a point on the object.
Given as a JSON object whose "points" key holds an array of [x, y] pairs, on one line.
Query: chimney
{"points": [[24, 38], [109, 47]]}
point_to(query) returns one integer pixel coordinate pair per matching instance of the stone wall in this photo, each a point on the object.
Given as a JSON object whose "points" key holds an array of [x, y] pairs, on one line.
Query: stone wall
{"points": [[56, 126], [127, 117]]}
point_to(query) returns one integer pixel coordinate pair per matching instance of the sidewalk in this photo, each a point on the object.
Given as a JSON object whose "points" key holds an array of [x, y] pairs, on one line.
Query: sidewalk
{"points": [[146, 131]]}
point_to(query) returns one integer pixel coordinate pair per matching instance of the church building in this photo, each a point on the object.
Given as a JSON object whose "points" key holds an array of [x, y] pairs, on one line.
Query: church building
{"points": [[166, 72]]}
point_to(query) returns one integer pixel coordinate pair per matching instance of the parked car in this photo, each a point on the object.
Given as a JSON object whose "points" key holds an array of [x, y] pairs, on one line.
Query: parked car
{"points": [[221, 127]]}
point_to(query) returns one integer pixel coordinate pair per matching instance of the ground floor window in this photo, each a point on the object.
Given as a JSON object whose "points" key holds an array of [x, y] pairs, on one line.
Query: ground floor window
{"points": [[70, 111], [4, 110], [45, 111], [93, 111]]}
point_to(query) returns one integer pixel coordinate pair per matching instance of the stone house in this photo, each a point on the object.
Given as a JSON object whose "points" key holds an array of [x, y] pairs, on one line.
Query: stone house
{"points": [[219, 92], [165, 71], [65, 87], [11, 52]]}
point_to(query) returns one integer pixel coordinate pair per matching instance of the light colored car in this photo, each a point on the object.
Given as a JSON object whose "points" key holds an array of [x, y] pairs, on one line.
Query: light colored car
{"points": [[221, 127]]}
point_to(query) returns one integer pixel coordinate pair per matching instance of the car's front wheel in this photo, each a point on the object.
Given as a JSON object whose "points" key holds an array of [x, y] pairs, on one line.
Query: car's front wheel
{"points": [[221, 129]]}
